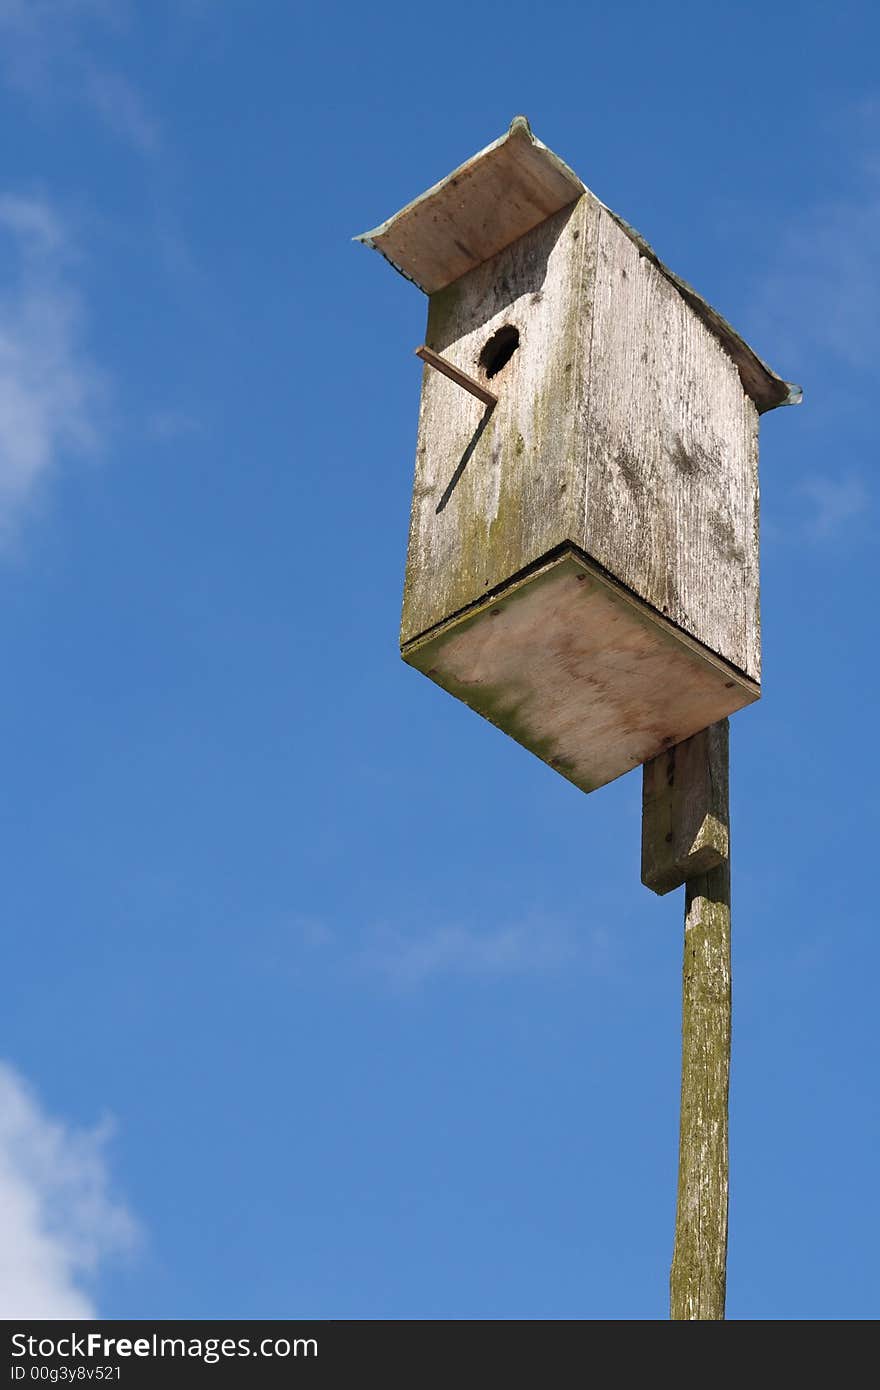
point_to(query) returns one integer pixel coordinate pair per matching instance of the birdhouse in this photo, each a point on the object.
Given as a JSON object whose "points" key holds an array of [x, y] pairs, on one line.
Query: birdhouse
{"points": [[583, 549]]}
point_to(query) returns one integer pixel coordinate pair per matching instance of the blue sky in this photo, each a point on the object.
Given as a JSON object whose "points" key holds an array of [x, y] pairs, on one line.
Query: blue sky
{"points": [[323, 998]]}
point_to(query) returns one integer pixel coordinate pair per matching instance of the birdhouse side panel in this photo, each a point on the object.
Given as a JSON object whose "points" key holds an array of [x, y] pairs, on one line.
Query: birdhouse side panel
{"points": [[497, 488], [671, 506]]}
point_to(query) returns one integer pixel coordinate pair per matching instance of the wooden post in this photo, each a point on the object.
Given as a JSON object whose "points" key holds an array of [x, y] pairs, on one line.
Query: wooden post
{"points": [[699, 1263], [698, 1279]]}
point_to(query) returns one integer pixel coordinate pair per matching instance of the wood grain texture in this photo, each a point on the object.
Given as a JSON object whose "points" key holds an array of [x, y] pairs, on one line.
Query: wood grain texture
{"points": [[684, 810], [579, 672], [760, 382], [670, 442], [699, 1265], [494, 494]]}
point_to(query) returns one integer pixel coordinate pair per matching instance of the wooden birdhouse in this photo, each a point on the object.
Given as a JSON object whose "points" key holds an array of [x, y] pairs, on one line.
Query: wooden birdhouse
{"points": [[583, 551]]}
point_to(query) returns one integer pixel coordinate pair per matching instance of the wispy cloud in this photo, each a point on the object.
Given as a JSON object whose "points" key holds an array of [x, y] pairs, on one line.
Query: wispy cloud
{"points": [[818, 304], [166, 425], [409, 958], [47, 53], [50, 389], [408, 955], [58, 1215], [835, 503], [120, 106], [313, 932], [821, 291]]}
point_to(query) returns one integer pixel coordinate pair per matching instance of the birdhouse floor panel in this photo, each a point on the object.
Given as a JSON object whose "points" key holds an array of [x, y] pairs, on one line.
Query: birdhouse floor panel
{"points": [[580, 672]]}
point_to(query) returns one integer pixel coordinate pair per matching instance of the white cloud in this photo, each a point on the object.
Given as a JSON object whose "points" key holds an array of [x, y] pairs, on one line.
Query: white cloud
{"points": [[58, 1218], [408, 958], [49, 388], [45, 53]]}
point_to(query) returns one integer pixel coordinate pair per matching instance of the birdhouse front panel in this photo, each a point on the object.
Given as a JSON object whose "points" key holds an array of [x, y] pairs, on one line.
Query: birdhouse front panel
{"points": [[497, 488], [583, 556]]}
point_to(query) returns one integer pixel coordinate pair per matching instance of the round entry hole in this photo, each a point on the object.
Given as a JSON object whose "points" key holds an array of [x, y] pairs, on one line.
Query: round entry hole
{"points": [[499, 350]]}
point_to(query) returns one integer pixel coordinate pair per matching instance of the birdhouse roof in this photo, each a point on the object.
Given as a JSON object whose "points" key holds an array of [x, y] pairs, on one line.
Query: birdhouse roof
{"points": [[495, 198]]}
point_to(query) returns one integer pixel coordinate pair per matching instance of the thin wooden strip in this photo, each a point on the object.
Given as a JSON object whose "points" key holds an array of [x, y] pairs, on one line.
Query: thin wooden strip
{"points": [[455, 374]]}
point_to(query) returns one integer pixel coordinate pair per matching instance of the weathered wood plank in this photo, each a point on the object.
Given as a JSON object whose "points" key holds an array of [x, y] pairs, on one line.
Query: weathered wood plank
{"points": [[670, 440], [476, 211], [698, 1276], [684, 810]]}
